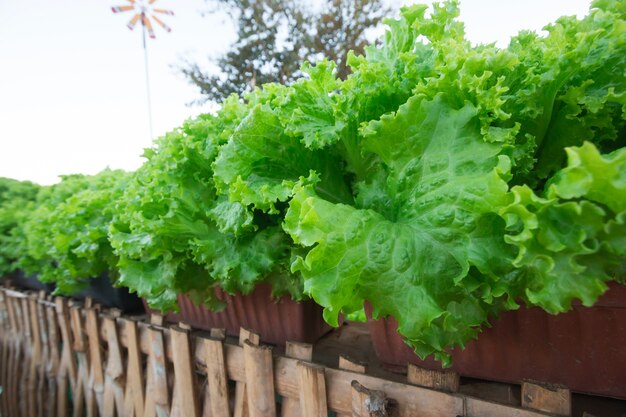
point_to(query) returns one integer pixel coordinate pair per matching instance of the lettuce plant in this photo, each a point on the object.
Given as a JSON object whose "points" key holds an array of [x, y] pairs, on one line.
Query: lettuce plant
{"points": [[65, 233], [445, 182], [15, 198], [176, 233]]}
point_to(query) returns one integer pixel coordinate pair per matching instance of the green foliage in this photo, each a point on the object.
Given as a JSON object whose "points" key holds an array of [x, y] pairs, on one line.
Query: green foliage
{"points": [[464, 203], [176, 234], [15, 198], [65, 232]]}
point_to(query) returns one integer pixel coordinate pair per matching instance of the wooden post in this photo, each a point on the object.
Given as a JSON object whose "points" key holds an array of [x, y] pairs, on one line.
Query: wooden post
{"points": [[114, 372], [304, 352], [554, 400], [95, 398], [368, 403], [348, 364], [4, 355], [185, 401], [26, 346], [241, 396], [440, 380], [34, 395], [67, 366], [259, 380], [14, 357], [80, 392], [53, 364], [157, 394], [216, 402], [312, 390], [133, 394]]}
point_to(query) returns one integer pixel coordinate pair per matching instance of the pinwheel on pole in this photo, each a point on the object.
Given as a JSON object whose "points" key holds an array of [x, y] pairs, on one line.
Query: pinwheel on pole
{"points": [[145, 13]]}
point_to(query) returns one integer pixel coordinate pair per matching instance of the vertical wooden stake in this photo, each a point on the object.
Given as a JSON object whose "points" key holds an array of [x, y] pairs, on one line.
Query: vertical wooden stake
{"points": [[67, 366], [34, 396], [259, 380], [304, 352], [114, 372], [312, 390], [554, 400], [53, 365], [184, 371], [348, 364], [241, 396], [133, 394], [95, 399], [80, 392], [368, 403], [216, 401], [157, 394]]}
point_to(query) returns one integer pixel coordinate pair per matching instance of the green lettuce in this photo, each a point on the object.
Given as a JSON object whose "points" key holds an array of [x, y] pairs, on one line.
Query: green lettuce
{"points": [[482, 177], [176, 233], [66, 233]]}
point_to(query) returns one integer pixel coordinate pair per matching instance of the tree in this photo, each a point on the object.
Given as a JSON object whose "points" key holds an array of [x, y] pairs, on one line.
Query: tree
{"points": [[274, 37]]}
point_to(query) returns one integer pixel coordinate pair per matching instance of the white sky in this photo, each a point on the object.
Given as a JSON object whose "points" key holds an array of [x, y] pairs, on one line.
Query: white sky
{"points": [[72, 85]]}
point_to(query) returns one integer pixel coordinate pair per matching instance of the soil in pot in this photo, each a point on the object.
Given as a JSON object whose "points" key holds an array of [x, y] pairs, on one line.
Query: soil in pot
{"points": [[583, 349]]}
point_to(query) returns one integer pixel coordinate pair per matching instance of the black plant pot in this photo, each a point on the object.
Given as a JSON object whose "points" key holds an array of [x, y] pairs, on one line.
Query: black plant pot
{"points": [[102, 291], [29, 282]]}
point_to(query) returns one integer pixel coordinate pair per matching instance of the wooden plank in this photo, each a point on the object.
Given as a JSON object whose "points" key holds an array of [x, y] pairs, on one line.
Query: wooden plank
{"points": [[95, 397], [411, 400], [312, 390], [216, 397], [241, 396], [54, 360], [80, 391], [218, 334], [44, 399], [114, 372], [259, 380], [5, 332], [157, 393], [300, 351], [134, 392], [67, 365], [440, 380], [184, 371], [348, 364], [551, 399], [304, 352], [26, 346], [368, 403], [156, 318], [34, 395], [14, 357]]}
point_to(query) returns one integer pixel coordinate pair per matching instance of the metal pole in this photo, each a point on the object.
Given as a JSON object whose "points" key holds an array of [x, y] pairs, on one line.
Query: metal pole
{"points": [[145, 55]]}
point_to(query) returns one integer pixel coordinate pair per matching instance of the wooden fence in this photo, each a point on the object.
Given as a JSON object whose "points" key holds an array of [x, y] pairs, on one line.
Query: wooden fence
{"points": [[59, 359]]}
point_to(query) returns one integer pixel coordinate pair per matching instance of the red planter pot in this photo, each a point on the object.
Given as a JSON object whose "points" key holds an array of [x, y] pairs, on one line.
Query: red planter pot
{"points": [[276, 321], [583, 349]]}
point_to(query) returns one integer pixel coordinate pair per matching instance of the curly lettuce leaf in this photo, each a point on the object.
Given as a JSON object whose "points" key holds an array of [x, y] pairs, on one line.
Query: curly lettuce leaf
{"points": [[571, 242], [261, 165], [444, 186]]}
